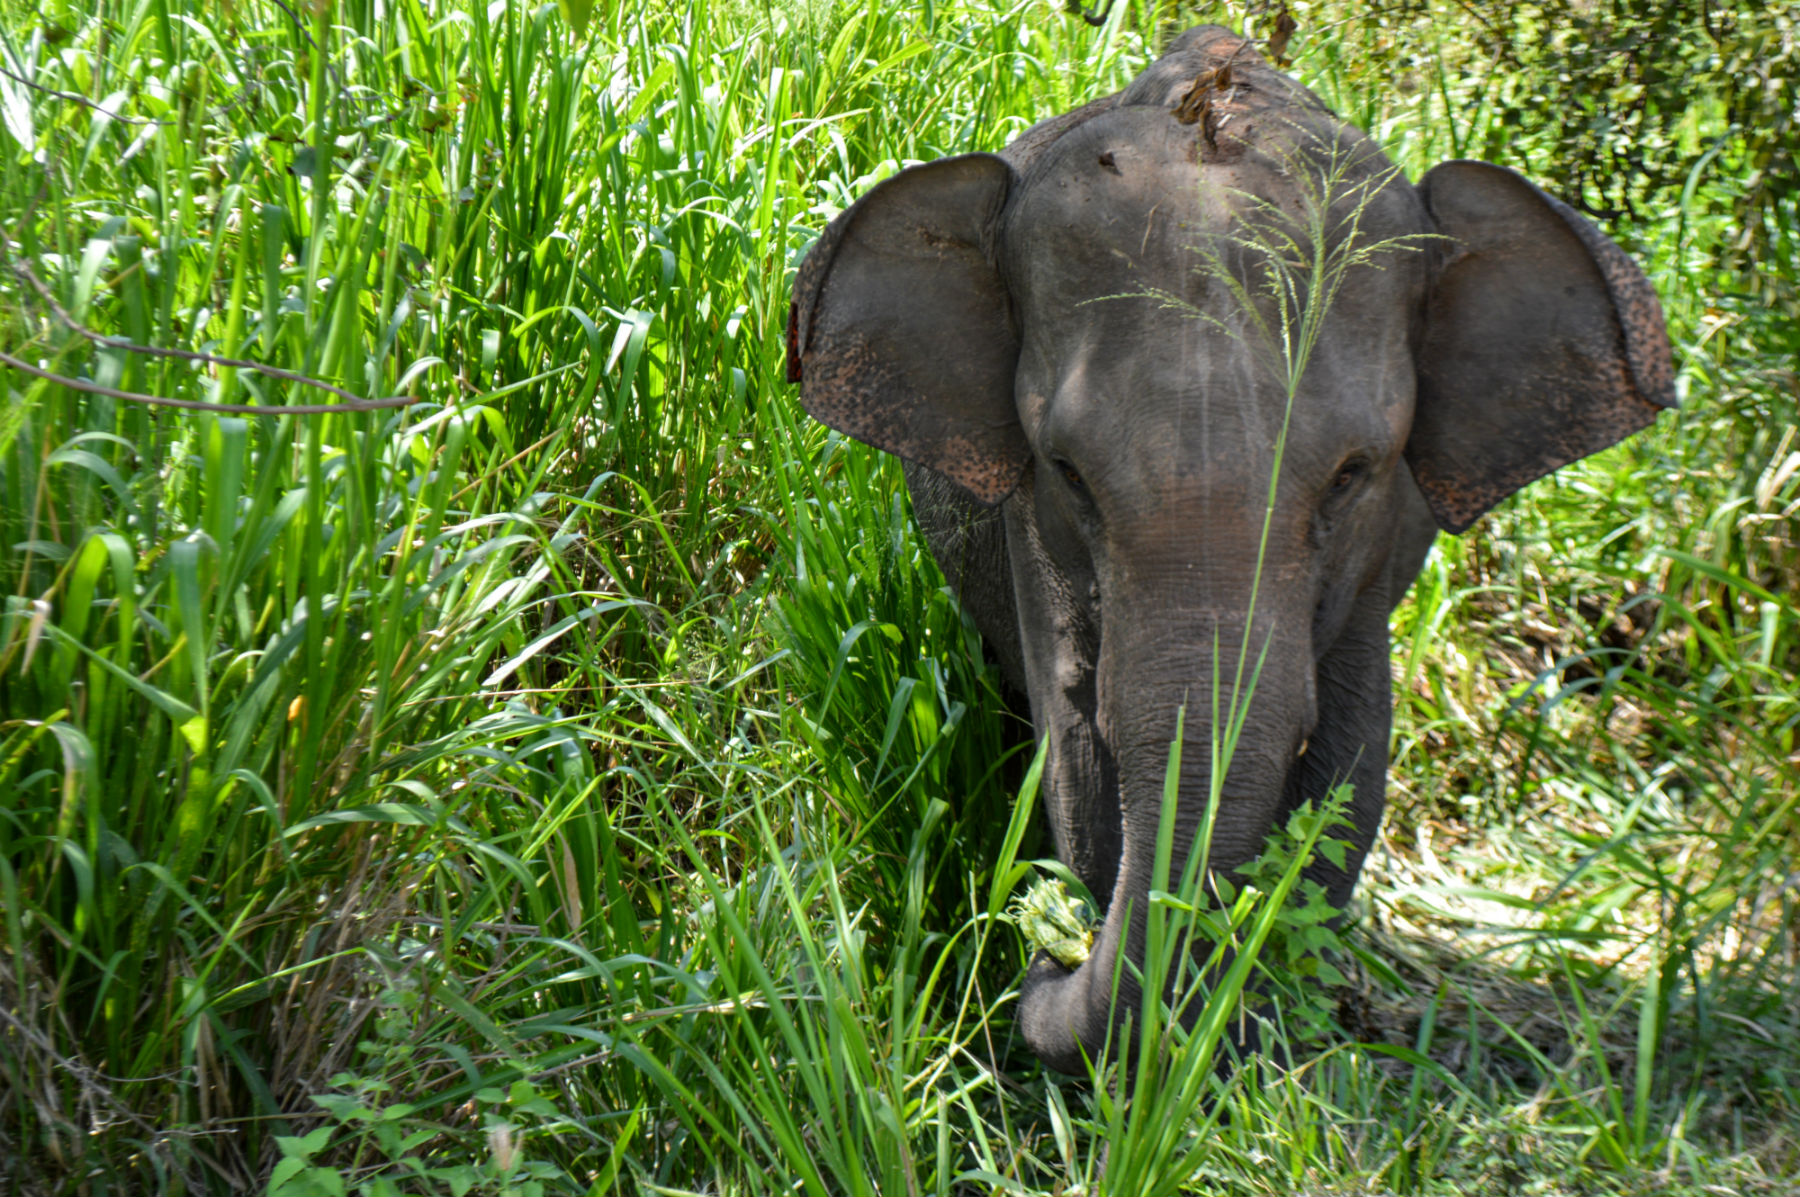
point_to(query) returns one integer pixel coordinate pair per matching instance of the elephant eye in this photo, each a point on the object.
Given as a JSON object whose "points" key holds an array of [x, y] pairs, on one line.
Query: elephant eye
{"points": [[1072, 476], [1348, 475]]}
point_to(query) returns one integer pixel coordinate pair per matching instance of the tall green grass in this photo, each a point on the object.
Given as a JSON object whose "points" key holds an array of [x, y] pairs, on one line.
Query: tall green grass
{"points": [[579, 778]]}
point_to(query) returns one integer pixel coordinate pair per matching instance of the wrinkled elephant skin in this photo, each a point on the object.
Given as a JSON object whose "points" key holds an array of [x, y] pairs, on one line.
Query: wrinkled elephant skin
{"points": [[1074, 347]]}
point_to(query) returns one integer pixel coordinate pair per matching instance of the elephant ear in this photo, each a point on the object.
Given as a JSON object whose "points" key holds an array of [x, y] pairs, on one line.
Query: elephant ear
{"points": [[1543, 343], [901, 334]]}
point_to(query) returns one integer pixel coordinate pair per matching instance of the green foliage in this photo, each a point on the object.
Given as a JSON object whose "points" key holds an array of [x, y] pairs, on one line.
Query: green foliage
{"points": [[1637, 107], [1296, 963], [580, 778], [1220, 954], [389, 1134]]}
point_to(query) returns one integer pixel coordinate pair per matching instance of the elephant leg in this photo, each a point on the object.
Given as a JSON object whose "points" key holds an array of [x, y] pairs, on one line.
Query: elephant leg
{"points": [[1059, 629], [969, 542], [1414, 535], [1350, 741]]}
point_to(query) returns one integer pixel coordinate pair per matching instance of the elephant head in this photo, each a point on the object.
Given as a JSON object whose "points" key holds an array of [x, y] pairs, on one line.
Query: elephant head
{"points": [[1089, 334]]}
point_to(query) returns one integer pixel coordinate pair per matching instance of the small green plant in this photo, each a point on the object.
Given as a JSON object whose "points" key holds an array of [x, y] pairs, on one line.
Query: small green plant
{"points": [[396, 1152], [1296, 967], [1218, 953], [379, 1138]]}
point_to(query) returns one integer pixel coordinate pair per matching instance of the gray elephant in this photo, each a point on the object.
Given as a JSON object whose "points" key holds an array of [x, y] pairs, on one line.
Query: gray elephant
{"points": [[1079, 349]]}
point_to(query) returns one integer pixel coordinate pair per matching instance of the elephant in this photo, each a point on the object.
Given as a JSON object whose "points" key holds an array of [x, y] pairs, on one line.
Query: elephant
{"points": [[1080, 350]]}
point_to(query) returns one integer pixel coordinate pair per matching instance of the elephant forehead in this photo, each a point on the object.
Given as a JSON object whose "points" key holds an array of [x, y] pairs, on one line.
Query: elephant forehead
{"points": [[1114, 204], [1145, 316], [1134, 200]]}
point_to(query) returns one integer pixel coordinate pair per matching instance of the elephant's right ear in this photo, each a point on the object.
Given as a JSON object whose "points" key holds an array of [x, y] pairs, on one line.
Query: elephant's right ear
{"points": [[901, 333], [1543, 343]]}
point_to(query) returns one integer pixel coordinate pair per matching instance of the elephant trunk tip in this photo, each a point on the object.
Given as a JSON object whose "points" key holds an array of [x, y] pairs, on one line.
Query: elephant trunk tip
{"points": [[1055, 1018]]}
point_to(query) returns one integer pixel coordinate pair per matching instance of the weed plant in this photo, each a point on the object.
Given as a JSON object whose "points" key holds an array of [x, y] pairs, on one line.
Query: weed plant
{"points": [[575, 777]]}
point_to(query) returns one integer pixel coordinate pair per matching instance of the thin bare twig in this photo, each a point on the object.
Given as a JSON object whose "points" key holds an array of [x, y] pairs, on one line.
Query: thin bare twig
{"points": [[351, 402], [248, 409], [88, 1078], [516, 457], [505, 928], [77, 98]]}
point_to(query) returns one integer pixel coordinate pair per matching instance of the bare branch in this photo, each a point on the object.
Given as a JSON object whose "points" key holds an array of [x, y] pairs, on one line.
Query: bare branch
{"points": [[351, 402], [249, 409], [76, 98]]}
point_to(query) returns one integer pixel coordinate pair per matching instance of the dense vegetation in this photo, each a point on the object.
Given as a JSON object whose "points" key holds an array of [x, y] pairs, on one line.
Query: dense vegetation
{"points": [[573, 774]]}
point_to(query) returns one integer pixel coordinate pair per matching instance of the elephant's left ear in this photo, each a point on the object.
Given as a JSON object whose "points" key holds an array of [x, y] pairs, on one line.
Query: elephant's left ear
{"points": [[1543, 343]]}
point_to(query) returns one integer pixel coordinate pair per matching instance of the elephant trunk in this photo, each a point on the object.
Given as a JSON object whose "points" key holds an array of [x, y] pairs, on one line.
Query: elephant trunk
{"points": [[1068, 1014]]}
